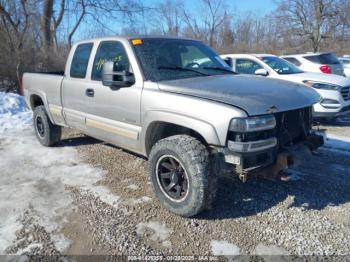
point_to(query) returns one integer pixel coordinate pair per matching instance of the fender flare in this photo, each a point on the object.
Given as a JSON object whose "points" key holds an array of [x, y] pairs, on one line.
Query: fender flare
{"points": [[205, 129], [43, 98]]}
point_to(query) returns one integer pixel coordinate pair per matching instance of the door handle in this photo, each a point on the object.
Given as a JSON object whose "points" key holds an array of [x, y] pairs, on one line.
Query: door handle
{"points": [[89, 92]]}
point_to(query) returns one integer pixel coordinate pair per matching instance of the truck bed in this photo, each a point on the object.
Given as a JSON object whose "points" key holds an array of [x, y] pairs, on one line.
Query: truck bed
{"points": [[48, 86]]}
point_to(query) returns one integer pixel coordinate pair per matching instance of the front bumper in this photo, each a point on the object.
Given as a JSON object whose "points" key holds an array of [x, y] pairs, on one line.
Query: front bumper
{"points": [[256, 161], [331, 113], [339, 106]]}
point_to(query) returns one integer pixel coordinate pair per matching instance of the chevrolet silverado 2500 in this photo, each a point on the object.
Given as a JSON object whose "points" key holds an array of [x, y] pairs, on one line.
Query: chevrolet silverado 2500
{"points": [[192, 119]]}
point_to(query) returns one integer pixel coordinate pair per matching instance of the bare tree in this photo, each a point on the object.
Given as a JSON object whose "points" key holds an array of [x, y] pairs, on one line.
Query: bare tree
{"points": [[15, 21], [169, 14], [226, 36], [215, 17], [46, 19], [307, 19], [206, 26], [57, 21]]}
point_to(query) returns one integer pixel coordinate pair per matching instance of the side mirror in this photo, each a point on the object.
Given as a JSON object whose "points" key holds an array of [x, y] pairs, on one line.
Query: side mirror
{"points": [[115, 78], [261, 72], [229, 61]]}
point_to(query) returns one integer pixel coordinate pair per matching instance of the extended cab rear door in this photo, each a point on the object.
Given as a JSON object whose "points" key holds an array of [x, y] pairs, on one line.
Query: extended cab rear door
{"points": [[74, 86]]}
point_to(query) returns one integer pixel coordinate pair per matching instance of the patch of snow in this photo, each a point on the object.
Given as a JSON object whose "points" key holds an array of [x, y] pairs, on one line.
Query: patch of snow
{"points": [[338, 142], [11, 104], [160, 232], [224, 248], [34, 177], [30, 247], [61, 243], [104, 194], [140, 200], [338, 167], [292, 174], [132, 187], [262, 250]]}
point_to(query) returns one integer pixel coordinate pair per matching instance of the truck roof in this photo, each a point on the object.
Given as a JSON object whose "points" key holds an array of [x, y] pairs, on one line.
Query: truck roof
{"points": [[129, 37]]}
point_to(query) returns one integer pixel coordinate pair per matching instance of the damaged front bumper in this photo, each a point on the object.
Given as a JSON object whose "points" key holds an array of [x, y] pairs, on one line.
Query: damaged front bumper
{"points": [[268, 161]]}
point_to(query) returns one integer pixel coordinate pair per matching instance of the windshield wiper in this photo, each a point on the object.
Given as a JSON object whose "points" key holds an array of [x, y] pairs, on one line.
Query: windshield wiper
{"points": [[220, 69], [179, 68]]}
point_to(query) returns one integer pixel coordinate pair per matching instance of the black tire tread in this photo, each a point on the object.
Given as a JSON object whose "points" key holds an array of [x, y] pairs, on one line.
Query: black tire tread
{"points": [[53, 132], [198, 155]]}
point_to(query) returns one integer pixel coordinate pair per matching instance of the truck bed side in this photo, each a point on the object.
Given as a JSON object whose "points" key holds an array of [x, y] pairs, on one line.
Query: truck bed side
{"points": [[45, 88]]}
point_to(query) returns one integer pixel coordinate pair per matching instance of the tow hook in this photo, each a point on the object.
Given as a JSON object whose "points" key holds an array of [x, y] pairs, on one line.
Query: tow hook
{"points": [[243, 176]]}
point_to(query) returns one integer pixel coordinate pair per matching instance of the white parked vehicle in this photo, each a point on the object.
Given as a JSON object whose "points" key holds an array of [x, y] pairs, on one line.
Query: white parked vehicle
{"points": [[326, 63], [335, 90], [346, 64]]}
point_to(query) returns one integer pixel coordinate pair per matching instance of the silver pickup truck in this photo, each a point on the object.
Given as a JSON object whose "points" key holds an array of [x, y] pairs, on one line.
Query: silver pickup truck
{"points": [[176, 102]]}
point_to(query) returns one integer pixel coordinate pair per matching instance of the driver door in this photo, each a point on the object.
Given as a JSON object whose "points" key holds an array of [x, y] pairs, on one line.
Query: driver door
{"points": [[113, 114]]}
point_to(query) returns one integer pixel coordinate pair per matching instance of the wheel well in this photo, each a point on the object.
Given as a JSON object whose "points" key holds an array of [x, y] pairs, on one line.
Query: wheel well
{"points": [[35, 101], [159, 130]]}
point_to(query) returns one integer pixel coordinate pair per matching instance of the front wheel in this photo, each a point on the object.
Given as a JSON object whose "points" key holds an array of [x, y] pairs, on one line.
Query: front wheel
{"points": [[47, 133], [181, 175]]}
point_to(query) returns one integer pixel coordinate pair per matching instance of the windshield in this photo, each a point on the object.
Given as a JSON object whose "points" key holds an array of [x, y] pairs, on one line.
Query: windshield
{"points": [[169, 59], [280, 65]]}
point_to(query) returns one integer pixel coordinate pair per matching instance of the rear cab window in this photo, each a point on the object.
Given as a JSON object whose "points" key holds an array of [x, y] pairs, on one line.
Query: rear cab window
{"points": [[328, 58], [80, 60]]}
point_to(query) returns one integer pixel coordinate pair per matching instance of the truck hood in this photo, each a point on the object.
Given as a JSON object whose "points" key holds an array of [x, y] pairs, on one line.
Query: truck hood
{"points": [[255, 95], [320, 77]]}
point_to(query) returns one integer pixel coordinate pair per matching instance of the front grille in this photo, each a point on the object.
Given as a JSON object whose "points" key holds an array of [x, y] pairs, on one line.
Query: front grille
{"points": [[345, 93], [293, 126]]}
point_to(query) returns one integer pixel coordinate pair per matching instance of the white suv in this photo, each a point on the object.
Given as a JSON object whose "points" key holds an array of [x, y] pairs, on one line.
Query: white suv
{"points": [[335, 90], [326, 63], [346, 64]]}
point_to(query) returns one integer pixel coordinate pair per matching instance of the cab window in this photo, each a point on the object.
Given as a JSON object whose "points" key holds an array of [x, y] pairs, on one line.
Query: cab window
{"points": [[109, 51], [247, 66], [80, 60]]}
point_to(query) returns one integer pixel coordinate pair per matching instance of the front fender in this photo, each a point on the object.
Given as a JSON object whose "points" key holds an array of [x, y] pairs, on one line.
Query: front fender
{"points": [[205, 129]]}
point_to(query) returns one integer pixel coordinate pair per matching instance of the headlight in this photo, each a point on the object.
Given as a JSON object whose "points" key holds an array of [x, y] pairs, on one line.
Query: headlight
{"points": [[320, 85], [251, 124]]}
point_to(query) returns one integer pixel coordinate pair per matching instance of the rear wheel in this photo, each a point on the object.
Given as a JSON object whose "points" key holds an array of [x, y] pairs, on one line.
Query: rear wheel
{"points": [[181, 175], [47, 133]]}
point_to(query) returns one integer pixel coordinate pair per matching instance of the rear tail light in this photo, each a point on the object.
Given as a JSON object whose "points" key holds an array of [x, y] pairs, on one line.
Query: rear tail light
{"points": [[326, 69]]}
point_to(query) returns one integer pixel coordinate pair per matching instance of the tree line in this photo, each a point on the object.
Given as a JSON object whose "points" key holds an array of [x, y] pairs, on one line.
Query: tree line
{"points": [[36, 35]]}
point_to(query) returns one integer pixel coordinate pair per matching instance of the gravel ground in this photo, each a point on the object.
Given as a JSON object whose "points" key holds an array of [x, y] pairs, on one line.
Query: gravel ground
{"points": [[303, 217], [306, 216]]}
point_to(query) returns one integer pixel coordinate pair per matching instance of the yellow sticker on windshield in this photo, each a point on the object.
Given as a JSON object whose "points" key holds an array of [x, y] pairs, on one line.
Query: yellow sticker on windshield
{"points": [[136, 42]]}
